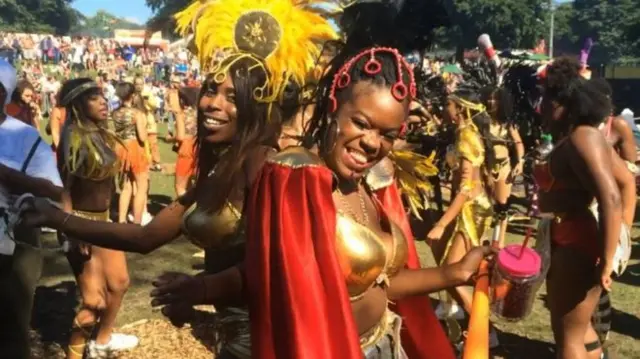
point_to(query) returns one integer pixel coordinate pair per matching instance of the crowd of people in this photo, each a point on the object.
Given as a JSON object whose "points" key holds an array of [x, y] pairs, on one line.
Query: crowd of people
{"points": [[305, 172]]}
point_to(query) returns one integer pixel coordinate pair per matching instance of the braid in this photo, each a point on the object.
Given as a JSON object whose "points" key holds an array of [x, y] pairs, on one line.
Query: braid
{"points": [[380, 65]]}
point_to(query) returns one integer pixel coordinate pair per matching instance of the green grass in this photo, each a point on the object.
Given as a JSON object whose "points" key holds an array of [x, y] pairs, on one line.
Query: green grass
{"points": [[531, 338]]}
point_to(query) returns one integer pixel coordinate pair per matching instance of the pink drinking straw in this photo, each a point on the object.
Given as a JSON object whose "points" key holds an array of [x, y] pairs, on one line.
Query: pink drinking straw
{"points": [[526, 241]]}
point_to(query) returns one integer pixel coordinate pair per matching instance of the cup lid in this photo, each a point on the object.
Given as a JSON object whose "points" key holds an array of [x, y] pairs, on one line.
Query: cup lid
{"points": [[526, 265]]}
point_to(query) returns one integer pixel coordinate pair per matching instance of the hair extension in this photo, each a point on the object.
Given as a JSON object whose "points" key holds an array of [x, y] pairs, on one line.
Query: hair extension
{"points": [[87, 147], [254, 128], [380, 66]]}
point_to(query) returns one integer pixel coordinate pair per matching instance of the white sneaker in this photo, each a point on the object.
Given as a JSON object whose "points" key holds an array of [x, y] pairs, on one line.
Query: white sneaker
{"points": [[449, 310], [48, 230], [117, 343], [146, 218]]}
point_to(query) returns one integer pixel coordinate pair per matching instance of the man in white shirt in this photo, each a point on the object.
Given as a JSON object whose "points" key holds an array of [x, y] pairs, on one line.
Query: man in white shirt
{"points": [[27, 165]]}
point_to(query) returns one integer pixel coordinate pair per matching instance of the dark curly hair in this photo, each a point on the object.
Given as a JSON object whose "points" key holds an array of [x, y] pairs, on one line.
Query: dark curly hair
{"points": [[584, 102]]}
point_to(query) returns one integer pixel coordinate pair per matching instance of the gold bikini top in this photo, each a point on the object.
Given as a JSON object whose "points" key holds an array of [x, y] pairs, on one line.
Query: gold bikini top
{"points": [[213, 230], [365, 257]]}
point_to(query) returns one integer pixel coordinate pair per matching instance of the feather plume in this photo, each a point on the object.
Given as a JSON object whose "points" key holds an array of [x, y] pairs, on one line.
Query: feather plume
{"points": [[282, 36], [412, 172]]}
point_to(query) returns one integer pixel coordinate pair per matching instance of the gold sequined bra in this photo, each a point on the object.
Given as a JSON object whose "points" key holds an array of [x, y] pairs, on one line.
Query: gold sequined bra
{"points": [[366, 259], [213, 230]]}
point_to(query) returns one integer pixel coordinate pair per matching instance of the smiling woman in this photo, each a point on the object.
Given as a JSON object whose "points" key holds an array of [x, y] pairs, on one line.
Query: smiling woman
{"points": [[237, 129], [325, 222]]}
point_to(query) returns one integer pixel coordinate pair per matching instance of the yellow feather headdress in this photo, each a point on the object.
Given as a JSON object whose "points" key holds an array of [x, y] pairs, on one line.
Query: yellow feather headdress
{"points": [[283, 37]]}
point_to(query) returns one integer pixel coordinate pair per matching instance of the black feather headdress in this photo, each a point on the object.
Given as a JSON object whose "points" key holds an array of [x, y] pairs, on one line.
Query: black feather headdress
{"points": [[406, 25]]}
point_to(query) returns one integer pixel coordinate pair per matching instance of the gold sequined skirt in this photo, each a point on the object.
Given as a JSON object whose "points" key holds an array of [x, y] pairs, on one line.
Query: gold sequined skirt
{"points": [[473, 221], [383, 340]]}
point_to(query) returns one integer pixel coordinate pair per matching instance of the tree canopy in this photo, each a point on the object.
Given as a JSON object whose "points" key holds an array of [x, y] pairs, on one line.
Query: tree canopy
{"points": [[37, 16]]}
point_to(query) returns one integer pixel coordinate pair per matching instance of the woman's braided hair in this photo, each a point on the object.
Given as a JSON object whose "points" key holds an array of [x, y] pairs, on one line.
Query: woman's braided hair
{"points": [[383, 66]]}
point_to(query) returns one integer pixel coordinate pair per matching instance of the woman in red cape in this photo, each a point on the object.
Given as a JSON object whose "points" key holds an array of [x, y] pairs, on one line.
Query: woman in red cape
{"points": [[329, 244]]}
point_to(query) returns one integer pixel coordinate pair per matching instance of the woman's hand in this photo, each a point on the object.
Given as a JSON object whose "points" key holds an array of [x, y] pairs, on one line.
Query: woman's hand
{"points": [[436, 232], [604, 275], [40, 212], [516, 171], [177, 293], [470, 263]]}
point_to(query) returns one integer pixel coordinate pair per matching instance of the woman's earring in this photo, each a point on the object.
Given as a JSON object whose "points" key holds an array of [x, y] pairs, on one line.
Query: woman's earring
{"points": [[331, 136]]}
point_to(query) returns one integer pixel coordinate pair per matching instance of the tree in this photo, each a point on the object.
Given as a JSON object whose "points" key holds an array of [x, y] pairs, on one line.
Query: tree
{"points": [[163, 15], [613, 25], [37, 16], [511, 23], [102, 24]]}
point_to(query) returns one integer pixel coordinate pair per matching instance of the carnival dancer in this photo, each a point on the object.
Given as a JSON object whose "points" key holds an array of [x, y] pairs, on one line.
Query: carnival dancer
{"points": [[471, 207], [186, 131], [580, 168], [88, 164], [236, 131], [131, 128], [349, 210], [508, 151]]}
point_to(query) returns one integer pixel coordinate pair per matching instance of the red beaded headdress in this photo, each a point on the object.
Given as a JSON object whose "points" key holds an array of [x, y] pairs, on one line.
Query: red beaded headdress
{"points": [[372, 67]]}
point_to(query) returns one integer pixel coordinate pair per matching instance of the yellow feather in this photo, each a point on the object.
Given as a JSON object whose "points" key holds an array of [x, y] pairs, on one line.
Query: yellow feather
{"points": [[413, 172], [302, 31]]}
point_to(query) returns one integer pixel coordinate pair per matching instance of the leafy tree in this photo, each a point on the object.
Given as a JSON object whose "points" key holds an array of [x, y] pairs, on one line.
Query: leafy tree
{"points": [[511, 23], [612, 24], [53, 16], [102, 24], [163, 15]]}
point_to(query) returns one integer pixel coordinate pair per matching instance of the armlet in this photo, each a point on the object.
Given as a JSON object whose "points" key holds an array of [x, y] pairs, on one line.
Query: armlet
{"points": [[296, 157]]}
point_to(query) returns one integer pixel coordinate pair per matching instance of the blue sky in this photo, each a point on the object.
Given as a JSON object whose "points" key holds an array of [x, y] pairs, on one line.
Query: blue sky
{"points": [[134, 10]]}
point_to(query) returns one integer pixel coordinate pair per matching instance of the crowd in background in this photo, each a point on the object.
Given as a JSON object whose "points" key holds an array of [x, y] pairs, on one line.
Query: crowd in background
{"points": [[45, 61]]}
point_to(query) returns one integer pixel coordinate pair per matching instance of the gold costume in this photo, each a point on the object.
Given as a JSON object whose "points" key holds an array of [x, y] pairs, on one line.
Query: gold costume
{"points": [[213, 230], [502, 166], [277, 39], [476, 215], [364, 256]]}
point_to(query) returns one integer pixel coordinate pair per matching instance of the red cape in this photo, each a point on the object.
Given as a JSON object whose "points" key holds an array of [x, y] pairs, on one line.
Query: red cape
{"points": [[298, 299]]}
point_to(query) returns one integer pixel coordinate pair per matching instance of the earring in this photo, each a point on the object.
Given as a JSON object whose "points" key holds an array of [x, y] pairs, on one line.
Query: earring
{"points": [[336, 132]]}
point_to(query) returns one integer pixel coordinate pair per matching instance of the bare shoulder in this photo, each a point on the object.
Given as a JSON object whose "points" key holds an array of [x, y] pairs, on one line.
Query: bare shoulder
{"points": [[621, 126], [587, 136], [590, 144]]}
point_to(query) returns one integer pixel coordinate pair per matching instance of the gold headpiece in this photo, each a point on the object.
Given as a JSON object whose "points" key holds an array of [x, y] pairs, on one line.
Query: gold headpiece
{"points": [[283, 37]]}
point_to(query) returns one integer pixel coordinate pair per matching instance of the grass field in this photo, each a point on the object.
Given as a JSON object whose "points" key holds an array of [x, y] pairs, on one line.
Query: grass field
{"points": [[56, 300]]}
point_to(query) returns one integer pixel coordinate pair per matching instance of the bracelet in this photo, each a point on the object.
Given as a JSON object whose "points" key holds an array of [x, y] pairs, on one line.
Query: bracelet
{"points": [[66, 219]]}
